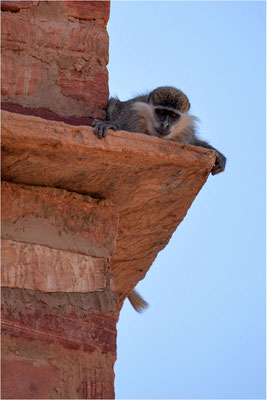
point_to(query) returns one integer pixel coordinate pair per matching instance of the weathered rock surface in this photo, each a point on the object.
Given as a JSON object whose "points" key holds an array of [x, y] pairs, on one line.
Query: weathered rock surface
{"points": [[82, 218], [36, 267], [151, 182], [16, 5], [59, 308], [69, 221], [54, 58], [57, 345]]}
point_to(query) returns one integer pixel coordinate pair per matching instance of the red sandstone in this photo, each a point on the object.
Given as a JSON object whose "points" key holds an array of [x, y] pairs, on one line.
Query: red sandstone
{"points": [[54, 58], [82, 219], [134, 171]]}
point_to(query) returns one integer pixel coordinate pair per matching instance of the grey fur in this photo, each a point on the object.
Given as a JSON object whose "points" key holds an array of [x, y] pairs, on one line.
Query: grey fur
{"points": [[123, 115]]}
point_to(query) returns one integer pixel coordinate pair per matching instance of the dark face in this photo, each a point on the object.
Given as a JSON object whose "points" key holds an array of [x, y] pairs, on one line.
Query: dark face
{"points": [[164, 119]]}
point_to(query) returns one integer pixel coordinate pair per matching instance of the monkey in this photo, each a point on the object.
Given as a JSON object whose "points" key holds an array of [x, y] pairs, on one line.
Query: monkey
{"points": [[162, 113]]}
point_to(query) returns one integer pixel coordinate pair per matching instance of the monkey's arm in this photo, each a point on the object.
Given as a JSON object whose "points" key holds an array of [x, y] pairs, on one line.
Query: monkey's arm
{"points": [[220, 161], [113, 112], [121, 115]]}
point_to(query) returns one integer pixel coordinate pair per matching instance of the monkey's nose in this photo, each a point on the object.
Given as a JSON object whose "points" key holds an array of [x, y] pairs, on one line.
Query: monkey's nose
{"points": [[164, 125]]}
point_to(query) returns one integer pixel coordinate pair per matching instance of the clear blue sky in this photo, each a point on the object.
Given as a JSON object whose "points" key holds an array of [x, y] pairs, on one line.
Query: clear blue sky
{"points": [[204, 334]]}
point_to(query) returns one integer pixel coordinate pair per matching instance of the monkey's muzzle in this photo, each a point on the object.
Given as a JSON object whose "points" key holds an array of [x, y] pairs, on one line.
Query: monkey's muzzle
{"points": [[162, 132]]}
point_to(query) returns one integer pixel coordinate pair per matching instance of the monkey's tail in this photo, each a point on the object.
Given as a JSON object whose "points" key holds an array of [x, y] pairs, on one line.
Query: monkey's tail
{"points": [[137, 301]]}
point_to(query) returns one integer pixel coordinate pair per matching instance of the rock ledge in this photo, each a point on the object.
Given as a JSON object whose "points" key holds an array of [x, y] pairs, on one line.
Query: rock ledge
{"points": [[150, 182]]}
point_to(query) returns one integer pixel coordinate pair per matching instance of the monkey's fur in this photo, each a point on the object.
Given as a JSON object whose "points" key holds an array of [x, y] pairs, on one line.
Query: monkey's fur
{"points": [[162, 113]]}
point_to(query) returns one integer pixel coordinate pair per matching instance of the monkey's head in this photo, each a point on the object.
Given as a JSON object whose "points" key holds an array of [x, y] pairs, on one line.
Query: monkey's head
{"points": [[168, 96], [169, 104]]}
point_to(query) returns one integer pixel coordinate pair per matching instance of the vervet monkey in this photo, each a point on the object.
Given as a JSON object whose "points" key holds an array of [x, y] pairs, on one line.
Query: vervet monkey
{"points": [[162, 113]]}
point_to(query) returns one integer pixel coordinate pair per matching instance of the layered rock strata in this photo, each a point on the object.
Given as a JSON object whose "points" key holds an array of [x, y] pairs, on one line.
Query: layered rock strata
{"points": [[82, 221], [54, 59], [150, 182]]}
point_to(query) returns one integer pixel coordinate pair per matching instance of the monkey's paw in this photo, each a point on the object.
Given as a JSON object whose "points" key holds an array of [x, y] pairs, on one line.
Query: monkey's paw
{"points": [[101, 127], [219, 165]]}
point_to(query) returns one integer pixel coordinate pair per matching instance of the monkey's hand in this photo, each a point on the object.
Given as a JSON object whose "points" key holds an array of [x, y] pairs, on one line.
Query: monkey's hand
{"points": [[220, 161], [101, 127], [219, 165]]}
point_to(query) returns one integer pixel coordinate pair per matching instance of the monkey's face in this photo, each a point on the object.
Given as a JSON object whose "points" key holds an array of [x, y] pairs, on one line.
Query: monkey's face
{"points": [[165, 118]]}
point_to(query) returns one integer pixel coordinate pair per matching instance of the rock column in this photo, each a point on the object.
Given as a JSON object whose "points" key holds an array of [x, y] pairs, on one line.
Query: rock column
{"points": [[59, 309]]}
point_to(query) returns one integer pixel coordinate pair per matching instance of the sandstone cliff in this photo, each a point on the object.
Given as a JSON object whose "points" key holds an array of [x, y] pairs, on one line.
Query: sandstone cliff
{"points": [[82, 219]]}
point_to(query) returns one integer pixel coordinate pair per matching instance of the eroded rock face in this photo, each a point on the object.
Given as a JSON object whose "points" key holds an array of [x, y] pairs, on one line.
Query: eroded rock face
{"points": [[59, 307], [17, 5], [57, 345], [150, 182], [56, 241], [69, 221], [82, 221], [54, 58]]}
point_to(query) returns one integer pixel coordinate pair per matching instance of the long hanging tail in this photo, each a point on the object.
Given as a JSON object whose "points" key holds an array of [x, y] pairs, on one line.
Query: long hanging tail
{"points": [[137, 301]]}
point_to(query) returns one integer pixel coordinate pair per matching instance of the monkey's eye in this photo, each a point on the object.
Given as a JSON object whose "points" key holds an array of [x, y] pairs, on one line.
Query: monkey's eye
{"points": [[173, 115], [160, 111]]}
